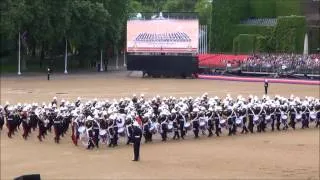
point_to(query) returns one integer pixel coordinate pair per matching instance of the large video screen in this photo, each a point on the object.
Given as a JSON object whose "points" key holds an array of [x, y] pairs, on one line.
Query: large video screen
{"points": [[165, 35]]}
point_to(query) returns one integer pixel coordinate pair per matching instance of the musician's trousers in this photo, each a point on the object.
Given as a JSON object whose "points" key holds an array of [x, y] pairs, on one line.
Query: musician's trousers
{"points": [[164, 135], [136, 149], [196, 132], [176, 134]]}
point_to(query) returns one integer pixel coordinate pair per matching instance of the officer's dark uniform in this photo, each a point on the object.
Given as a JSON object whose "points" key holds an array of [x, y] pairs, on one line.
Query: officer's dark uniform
{"points": [[266, 85], [292, 122], [49, 74], [137, 135]]}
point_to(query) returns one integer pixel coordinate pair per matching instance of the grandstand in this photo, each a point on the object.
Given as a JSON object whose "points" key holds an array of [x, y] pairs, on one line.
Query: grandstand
{"points": [[260, 21]]}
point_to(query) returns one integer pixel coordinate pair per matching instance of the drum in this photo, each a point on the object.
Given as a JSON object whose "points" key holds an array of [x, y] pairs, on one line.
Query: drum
{"points": [[121, 131], [102, 132], [256, 120], [202, 123], [268, 119], [153, 129], [313, 115], [223, 123], [284, 119], [298, 117], [170, 126], [103, 136], [187, 126], [84, 139], [81, 129], [239, 122]]}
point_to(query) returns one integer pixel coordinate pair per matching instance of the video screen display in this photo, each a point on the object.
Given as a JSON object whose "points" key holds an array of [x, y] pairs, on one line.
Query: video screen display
{"points": [[165, 35]]}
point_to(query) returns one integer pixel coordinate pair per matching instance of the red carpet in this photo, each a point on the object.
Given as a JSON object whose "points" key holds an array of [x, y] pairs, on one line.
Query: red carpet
{"points": [[253, 79]]}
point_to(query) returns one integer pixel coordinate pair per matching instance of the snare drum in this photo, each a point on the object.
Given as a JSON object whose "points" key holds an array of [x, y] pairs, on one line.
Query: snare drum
{"points": [[298, 117], [284, 119], [170, 126], [102, 132], [256, 120], [121, 131], [313, 115], [239, 122], [223, 123], [268, 119], [153, 129], [81, 129], [187, 126], [202, 123]]}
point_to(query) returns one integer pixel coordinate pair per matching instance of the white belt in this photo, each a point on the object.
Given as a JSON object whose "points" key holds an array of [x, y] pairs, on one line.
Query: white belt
{"points": [[137, 136]]}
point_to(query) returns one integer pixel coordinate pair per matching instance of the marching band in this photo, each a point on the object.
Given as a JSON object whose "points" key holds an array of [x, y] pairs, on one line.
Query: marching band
{"points": [[94, 122]]}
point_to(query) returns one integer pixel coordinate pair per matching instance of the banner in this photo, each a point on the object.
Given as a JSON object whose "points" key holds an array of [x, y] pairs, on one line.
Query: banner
{"points": [[165, 35]]}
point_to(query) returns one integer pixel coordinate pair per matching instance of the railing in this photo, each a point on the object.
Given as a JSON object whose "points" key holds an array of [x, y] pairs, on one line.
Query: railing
{"points": [[279, 69]]}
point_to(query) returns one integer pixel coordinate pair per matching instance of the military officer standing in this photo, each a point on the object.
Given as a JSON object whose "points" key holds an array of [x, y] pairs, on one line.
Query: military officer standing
{"points": [[137, 135]]}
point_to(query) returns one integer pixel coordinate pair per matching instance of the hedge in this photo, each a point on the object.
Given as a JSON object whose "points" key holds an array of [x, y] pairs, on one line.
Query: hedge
{"points": [[227, 14], [288, 7], [262, 8], [289, 34]]}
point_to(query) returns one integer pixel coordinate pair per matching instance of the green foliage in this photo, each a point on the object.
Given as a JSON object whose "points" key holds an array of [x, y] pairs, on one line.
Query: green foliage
{"points": [[204, 8], [289, 34], [288, 7], [262, 8], [261, 44]]}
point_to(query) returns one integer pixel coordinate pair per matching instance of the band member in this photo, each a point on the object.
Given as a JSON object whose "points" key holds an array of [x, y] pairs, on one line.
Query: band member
{"points": [[217, 122], [57, 127], [266, 85], [243, 114], [25, 124], [250, 115], [1, 118], [195, 123], [278, 117], [41, 126], [90, 132], [95, 129], [175, 125], [164, 127], [229, 114], [305, 117], [146, 130], [111, 133], [209, 114], [115, 128], [129, 127], [292, 113], [137, 134], [181, 123], [10, 122]]}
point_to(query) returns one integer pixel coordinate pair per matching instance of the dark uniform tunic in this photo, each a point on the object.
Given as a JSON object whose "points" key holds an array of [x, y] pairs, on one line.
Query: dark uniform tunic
{"points": [[137, 135]]}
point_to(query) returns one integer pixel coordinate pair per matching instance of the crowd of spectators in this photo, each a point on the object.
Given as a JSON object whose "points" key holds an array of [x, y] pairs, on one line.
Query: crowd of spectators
{"points": [[283, 63]]}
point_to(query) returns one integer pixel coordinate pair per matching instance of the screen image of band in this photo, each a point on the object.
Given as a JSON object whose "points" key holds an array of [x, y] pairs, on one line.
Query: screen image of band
{"points": [[178, 36]]}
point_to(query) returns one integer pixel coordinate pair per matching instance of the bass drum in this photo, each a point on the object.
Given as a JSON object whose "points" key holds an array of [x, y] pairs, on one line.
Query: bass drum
{"points": [[313, 115], [223, 123], [170, 127], [82, 129], [298, 117], [187, 126], [284, 119], [256, 120], [268, 119], [154, 128], [121, 131], [84, 139], [103, 136], [239, 122]]}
